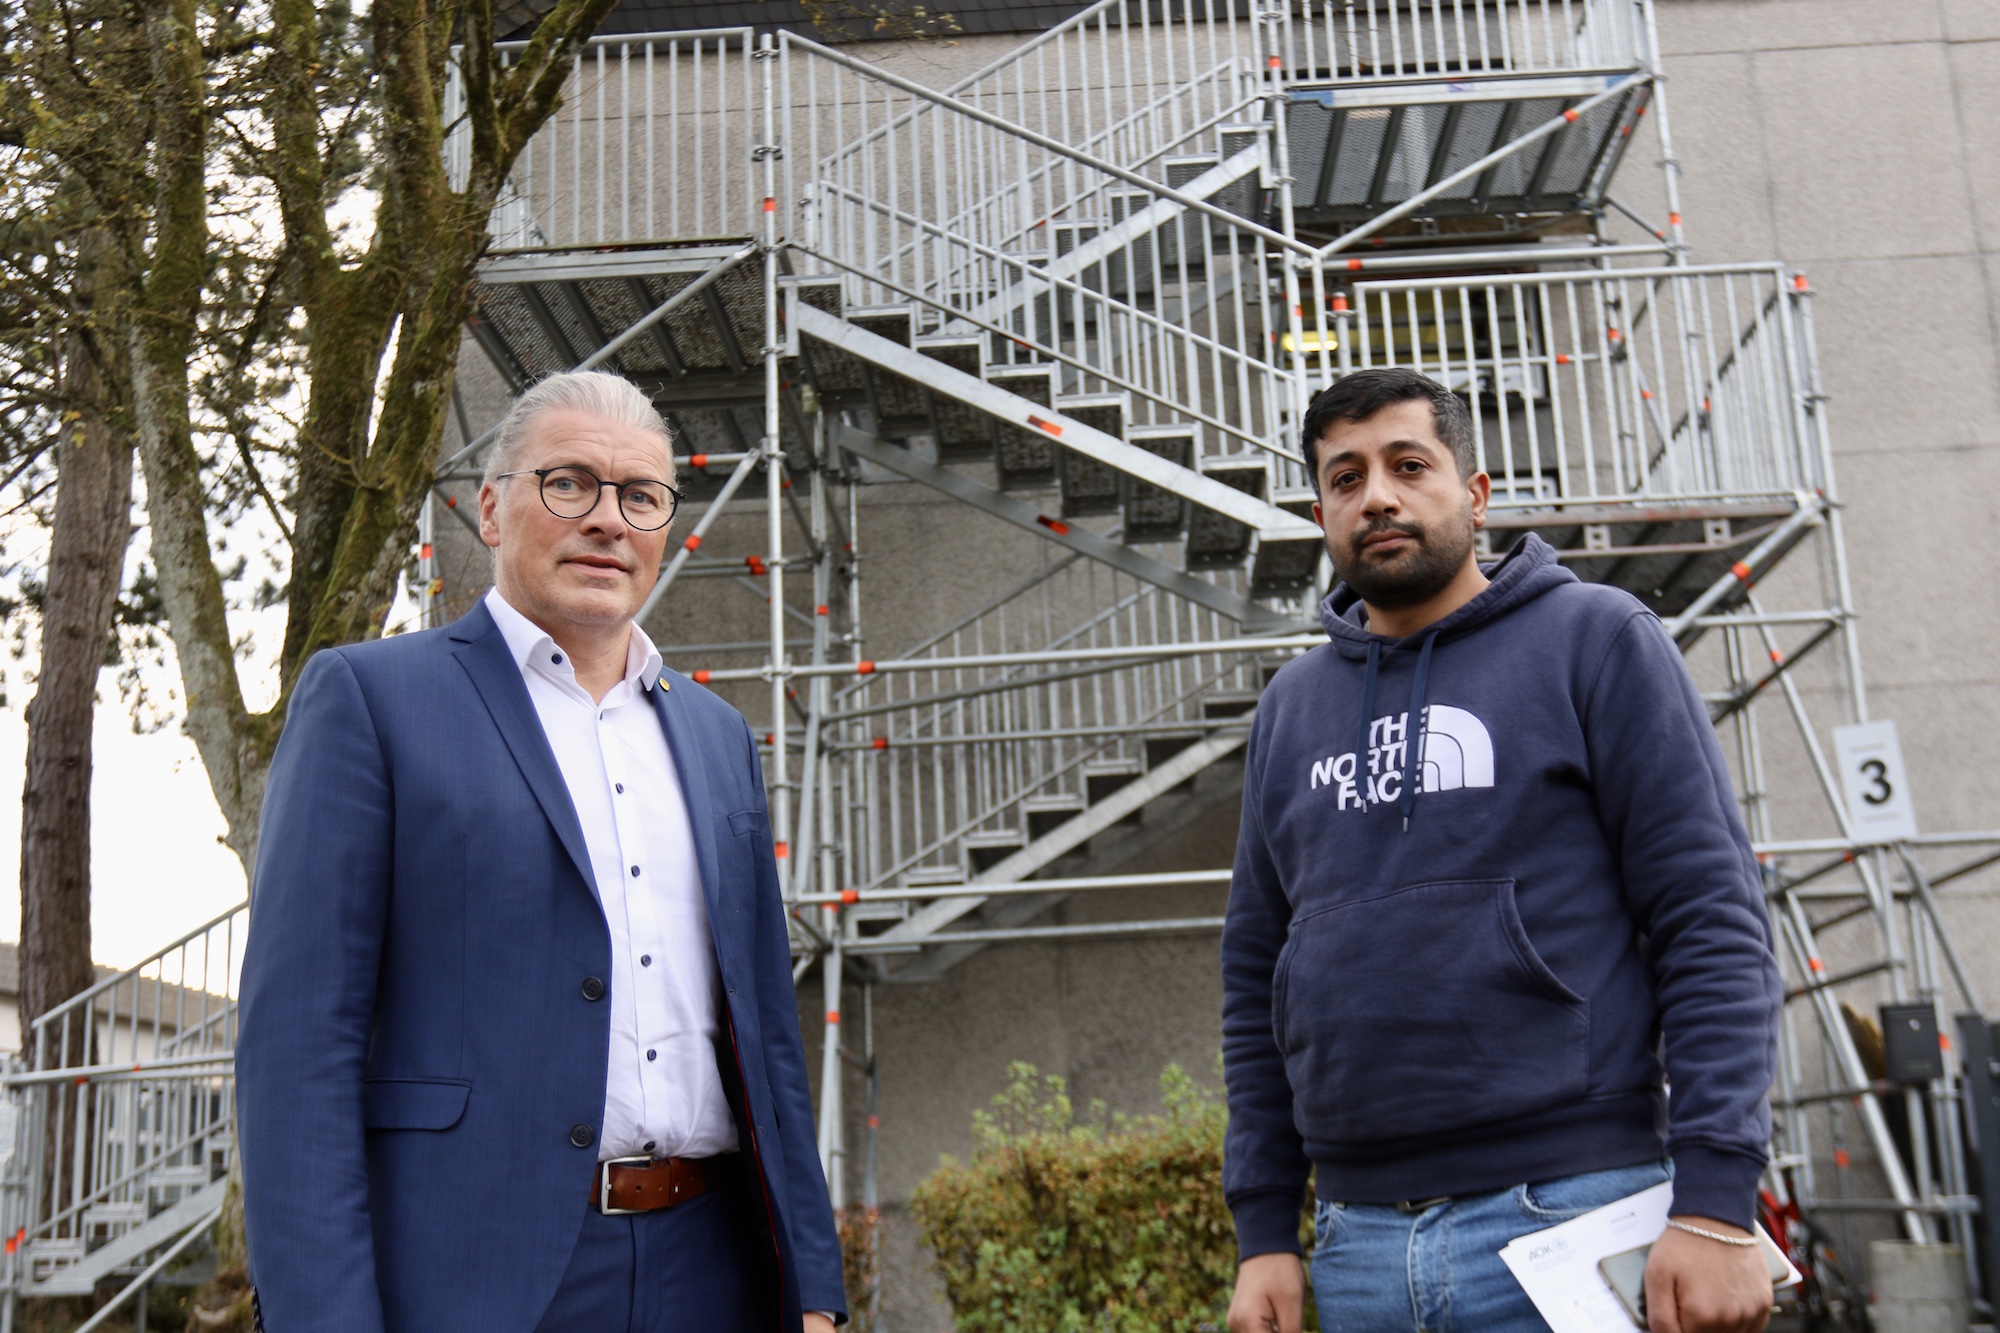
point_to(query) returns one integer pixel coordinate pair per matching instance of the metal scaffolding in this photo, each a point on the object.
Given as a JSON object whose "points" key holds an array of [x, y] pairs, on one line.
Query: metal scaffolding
{"points": [[1087, 291]]}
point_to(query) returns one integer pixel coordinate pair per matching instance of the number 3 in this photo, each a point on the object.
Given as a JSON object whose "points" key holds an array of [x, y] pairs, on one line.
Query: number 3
{"points": [[1877, 773]]}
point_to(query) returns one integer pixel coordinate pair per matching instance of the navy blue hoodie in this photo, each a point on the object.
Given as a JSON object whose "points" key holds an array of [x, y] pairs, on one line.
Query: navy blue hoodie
{"points": [[1457, 964]]}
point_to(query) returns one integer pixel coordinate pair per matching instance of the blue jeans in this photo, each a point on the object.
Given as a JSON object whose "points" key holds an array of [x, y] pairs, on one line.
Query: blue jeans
{"points": [[1377, 1269]]}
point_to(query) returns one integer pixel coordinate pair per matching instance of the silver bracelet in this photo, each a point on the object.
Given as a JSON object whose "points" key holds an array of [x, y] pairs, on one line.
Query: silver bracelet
{"points": [[1706, 1234]]}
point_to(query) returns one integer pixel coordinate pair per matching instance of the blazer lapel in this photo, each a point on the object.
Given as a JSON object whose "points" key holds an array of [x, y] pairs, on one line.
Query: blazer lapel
{"points": [[483, 653], [689, 762]]}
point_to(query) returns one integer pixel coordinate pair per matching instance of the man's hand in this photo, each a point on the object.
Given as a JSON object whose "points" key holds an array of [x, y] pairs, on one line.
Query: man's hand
{"points": [[1696, 1285], [1270, 1294], [817, 1323]]}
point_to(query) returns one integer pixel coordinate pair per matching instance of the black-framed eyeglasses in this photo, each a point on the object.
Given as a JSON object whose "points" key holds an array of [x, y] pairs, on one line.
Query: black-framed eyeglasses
{"points": [[572, 491]]}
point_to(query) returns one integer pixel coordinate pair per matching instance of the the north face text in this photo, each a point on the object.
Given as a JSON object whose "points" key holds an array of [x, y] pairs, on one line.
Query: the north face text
{"points": [[1457, 753]]}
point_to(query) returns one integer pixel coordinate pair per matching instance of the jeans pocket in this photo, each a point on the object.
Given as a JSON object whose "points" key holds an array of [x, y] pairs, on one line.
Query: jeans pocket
{"points": [[1559, 1200], [1326, 1218]]}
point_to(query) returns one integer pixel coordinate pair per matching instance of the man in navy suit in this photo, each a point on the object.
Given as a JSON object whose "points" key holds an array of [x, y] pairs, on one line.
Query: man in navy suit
{"points": [[519, 1051]]}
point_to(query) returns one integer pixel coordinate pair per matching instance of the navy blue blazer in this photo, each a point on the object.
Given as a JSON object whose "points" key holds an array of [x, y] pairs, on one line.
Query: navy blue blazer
{"points": [[417, 1050]]}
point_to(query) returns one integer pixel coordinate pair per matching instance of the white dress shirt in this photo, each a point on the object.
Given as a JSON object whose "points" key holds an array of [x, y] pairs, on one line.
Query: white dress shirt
{"points": [[662, 1092]]}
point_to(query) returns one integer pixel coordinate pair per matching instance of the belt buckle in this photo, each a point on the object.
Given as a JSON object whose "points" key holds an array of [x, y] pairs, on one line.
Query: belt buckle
{"points": [[604, 1207]]}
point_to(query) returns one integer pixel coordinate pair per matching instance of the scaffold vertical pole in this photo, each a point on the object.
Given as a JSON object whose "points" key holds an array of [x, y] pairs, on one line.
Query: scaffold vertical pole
{"points": [[774, 485], [1670, 166]]}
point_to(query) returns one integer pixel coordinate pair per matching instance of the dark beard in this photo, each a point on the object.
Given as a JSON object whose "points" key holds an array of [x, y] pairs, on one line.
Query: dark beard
{"points": [[1408, 580]]}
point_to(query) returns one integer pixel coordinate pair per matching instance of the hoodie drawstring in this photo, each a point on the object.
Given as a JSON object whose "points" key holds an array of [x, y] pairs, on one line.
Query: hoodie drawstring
{"points": [[1414, 732], [1367, 720]]}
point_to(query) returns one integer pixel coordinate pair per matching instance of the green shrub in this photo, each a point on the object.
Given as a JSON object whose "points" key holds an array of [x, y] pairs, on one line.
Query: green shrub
{"points": [[1111, 1225]]}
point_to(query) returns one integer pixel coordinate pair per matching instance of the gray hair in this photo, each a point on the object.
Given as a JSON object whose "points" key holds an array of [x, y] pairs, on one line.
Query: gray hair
{"points": [[596, 392]]}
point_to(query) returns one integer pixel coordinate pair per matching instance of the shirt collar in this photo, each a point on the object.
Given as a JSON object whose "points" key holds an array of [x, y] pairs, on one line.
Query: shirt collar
{"points": [[530, 643]]}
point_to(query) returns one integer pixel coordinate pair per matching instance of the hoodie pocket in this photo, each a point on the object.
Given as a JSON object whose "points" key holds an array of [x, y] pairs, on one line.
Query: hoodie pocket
{"points": [[1424, 1011]]}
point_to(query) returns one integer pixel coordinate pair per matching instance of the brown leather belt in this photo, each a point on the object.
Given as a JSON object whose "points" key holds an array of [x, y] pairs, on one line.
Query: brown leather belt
{"points": [[643, 1184]]}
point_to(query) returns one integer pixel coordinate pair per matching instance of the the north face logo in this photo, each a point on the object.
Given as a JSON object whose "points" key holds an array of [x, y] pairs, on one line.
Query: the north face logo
{"points": [[1458, 753]]}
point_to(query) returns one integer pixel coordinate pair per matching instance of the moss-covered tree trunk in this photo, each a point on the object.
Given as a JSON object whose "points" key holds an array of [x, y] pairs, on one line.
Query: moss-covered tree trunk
{"points": [[92, 527]]}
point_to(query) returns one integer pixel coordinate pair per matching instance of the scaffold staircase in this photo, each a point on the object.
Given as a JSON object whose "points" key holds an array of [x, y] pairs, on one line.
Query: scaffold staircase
{"points": [[1093, 306]]}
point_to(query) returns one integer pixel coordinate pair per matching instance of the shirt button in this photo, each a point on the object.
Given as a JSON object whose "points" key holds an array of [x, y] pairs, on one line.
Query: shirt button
{"points": [[652, 1055], [650, 1145], [582, 1135], [556, 658], [635, 872], [620, 786], [645, 960], [593, 989]]}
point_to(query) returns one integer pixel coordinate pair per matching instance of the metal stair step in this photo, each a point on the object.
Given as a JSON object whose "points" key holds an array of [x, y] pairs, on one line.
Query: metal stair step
{"points": [[1288, 566], [1154, 513], [1215, 541], [962, 429], [47, 1259], [1159, 749], [985, 850], [1228, 703], [1024, 458], [1043, 813], [1103, 777], [865, 919], [179, 1177], [112, 1218], [1086, 485]]}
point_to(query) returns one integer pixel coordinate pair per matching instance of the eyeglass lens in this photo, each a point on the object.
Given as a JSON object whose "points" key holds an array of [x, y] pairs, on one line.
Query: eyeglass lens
{"points": [[571, 492]]}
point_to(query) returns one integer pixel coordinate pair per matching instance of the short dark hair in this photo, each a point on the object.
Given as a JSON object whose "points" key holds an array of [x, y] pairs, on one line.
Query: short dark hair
{"points": [[1360, 394]]}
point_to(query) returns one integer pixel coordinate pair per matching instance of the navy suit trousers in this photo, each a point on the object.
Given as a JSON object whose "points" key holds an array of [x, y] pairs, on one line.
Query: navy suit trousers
{"points": [[692, 1268]]}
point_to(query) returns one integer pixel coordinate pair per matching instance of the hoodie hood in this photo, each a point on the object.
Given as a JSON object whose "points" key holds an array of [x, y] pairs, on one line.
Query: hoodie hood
{"points": [[1523, 574]]}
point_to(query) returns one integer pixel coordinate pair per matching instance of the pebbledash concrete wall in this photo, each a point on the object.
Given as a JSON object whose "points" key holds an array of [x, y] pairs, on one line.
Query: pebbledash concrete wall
{"points": [[1857, 139]]}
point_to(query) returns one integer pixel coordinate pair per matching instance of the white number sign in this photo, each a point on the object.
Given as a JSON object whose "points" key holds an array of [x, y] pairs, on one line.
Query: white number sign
{"points": [[1878, 789]]}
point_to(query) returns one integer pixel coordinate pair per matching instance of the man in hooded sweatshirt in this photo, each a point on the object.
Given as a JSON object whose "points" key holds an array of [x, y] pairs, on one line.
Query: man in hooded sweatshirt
{"points": [[1492, 896]]}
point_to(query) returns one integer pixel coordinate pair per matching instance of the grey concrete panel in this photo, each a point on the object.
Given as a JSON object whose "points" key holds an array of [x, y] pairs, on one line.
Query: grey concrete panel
{"points": [[1863, 153], [1975, 76], [1774, 25], [1906, 351], [1725, 178], [1926, 555], [1970, 20], [1701, 27]]}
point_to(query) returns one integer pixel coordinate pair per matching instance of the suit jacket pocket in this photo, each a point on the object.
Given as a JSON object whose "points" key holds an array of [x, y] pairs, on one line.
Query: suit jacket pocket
{"points": [[413, 1103], [746, 823], [1424, 1011]]}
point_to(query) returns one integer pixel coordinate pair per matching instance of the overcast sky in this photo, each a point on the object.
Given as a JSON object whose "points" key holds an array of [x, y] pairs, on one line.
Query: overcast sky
{"points": [[158, 865], [158, 868]]}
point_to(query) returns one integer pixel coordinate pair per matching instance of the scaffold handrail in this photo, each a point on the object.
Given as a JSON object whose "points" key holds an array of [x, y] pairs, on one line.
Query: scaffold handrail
{"points": [[134, 972]]}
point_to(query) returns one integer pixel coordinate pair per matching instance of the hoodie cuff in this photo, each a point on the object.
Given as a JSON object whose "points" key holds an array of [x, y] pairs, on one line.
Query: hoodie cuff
{"points": [[1709, 1182], [1266, 1224]]}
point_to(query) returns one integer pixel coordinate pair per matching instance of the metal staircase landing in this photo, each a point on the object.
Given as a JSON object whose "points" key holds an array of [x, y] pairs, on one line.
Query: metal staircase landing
{"points": [[1359, 150]]}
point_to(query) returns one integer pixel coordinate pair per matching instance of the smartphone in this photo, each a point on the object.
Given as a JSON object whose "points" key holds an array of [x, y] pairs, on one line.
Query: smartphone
{"points": [[1625, 1274]]}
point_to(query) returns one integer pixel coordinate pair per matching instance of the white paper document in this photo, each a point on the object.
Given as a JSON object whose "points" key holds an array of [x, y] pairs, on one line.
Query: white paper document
{"points": [[1558, 1267]]}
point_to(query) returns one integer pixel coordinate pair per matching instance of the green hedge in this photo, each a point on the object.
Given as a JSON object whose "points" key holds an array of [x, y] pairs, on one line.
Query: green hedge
{"points": [[1109, 1224]]}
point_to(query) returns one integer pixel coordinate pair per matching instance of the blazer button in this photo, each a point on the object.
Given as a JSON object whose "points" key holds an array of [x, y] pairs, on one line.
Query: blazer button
{"points": [[593, 989], [582, 1135]]}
